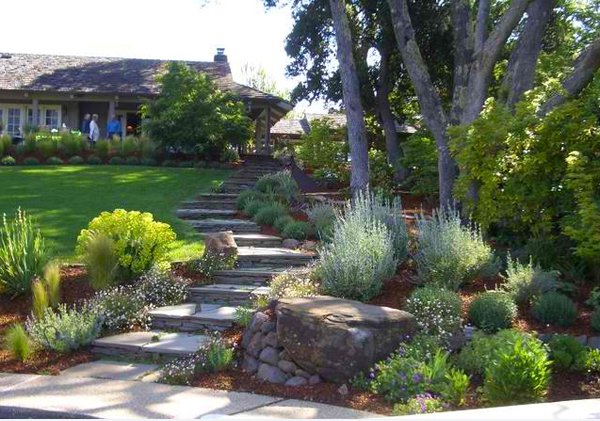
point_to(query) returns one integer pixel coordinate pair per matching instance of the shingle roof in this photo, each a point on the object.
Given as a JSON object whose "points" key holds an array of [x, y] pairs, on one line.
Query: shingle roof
{"points": [[34, 72], [291, 127]]}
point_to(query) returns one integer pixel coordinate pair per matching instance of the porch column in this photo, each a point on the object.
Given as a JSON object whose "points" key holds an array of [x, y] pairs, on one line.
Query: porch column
{"points": [[268, 130], [35, 104], [257, 138]]}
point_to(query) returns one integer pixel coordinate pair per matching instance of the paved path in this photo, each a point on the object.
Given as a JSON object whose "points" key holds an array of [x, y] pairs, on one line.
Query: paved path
{"points": [[133, 399]]}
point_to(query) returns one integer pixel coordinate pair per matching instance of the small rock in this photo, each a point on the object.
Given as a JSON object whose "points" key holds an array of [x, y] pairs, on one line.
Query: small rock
{"points": [[594, 342], [302, 373], [310, 245], [271, 374], [287, 366], [290, 243], [343, 390], [269, 355], [246, 338], [315, 379], [544, 337], [296, 381], [283, 355], [271, 339], [268, 327], [255, 345], [257, 321], [250, 364]]}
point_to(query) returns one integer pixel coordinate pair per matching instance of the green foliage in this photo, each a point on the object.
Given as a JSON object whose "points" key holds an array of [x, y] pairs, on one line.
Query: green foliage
{"points": [[130, 146], [294, 283], [149, 162], [524, 282], [46, 147], [120, 309], [169, 163], [298, 230], [5, 144], [455, 387], [420, 158], [324, 148], [269, 213], [103, 148], [450, 253], [230, 155], [139, 241], [554, 309], [567, 352], [8, 161], [521, 375], [116, 160], [420, 404], [186, 164], [22, 254], [17, 342], [381, 173], [51, 281], [54, 160], [191, 114], [65, 329], [279, 186], [280, 223], [592, 361], [94, 160], [437, 311], [101, 261], [159, 288], [253, 206], [248, 196], [31, 161], [219, 356], [594, 298], [595, 320], [492, 311], [76, 160], [132, 160], [72, 144], [322, 216], [40, 298], [211, 262], [243, 315]]}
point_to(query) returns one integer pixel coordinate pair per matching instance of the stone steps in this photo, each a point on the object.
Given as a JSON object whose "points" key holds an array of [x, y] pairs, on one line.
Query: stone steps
{"points": [[193, 317], [228, 205], [225, 294], [272, 257], [257, 240], [154, 344], [218, 225], [256, 277], [199, 213]]}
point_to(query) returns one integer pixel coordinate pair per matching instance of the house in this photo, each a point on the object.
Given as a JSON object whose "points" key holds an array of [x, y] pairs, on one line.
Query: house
{"points": [[292, 130], [57, 91]]}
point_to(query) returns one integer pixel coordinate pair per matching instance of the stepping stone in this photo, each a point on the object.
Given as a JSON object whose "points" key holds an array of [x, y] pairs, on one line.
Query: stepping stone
{"points": [[204, 213], [113, 370], [249, 276], [227, 294], [150, 344], [192, 317], [217, 196], [272, 256], [257, 240], [217, 225]]}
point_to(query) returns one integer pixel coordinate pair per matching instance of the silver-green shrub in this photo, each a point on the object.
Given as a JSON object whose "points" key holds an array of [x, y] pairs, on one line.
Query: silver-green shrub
{"points": [[524, 282], [322, 216], [450, 253], [65, 329], [279, 186], [294, 283], [121, 308], [436, 310], [159, 288]]}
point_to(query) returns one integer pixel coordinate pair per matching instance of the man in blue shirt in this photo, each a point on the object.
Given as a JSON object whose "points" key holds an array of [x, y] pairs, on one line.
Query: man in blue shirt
{"points": [[85, 125], [113, 127]]}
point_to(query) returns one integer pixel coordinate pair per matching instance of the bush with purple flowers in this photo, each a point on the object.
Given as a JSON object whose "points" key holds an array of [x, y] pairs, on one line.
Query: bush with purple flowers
{"points": [[421, 404]]}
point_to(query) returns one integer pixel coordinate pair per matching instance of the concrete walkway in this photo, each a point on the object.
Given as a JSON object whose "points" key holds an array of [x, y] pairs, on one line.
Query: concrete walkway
{"points": [[133, 399]]}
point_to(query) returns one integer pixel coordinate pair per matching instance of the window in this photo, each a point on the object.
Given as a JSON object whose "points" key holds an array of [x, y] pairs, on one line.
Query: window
{"points": [[13, 122], [51, 118]]}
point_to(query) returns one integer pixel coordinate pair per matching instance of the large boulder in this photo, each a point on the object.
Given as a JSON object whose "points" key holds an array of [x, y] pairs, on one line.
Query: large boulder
{"points": [[339, 338], [220, 244]]}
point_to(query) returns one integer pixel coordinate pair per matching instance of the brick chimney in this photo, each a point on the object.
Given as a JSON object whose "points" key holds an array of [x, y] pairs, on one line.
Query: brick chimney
{"points": [[220, 57]]}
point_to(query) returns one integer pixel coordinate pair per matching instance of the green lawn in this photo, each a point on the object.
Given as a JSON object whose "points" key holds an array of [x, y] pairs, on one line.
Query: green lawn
{"points": [[65, 199]]}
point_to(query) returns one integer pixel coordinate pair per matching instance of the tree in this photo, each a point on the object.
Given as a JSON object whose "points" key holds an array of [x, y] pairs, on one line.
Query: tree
{"points": [[258, 78], [191, 115], [355, 120]]}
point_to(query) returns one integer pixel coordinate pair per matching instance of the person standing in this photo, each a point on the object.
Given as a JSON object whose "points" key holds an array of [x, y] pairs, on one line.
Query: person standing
{"points": [[94, 130], [113, 128], [85, 125]]}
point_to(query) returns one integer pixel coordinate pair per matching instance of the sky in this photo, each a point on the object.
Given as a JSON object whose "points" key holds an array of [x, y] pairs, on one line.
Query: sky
{"points": [[160, 29]]}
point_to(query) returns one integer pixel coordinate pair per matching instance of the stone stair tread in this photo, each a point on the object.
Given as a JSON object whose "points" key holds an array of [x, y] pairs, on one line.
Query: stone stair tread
{"points": [[219, 212], [257, 236], [258, 271], [224, 288], [272, 251], [175, 343], [218, 195], [207, 312]]}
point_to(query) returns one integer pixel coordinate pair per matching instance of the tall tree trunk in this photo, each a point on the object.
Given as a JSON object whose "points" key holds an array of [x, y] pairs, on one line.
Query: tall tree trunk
{"points": [[429, 100], [357, 132], [463, 53], [387, 118], [520, 74]]}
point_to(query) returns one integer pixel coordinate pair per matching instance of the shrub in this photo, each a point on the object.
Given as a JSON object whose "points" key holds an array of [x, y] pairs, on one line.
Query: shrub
{"points": [[554, 309], [253, 206], [203, 164], [219, 355], [186, 164], [130, 146], [94, 160], [279, 186], [46, 147], [595, 320], [524, 282], [421, 404], [148, 148], [73, 144], [160, 288], [492, 311], [437, 311], [567, 352], [269, 213], [421, 158], [298, 230], [180, 371], [149, 162], [76, 160], [520, 375], [5, 144], [248, 196], [51, 281], [139, 241], [294, 283], [17, 342], [132, 160], [230, 155], [594, 298], [54, 160], [101, 260], [116, 160], [169, 163], [121, 309], [592, 360], [449, 253], [22, 253], [210, 262], [40, 298], [31, 161], [322, 216], [280, 223], [324, 148], [103, 149], [65, 329], [358, 260], [8, 161], [455, 387], [243, 315]]}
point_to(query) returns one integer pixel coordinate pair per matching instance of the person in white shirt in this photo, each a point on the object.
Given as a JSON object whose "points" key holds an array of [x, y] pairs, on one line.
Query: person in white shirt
{"points": [[94, 129]]}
